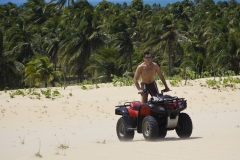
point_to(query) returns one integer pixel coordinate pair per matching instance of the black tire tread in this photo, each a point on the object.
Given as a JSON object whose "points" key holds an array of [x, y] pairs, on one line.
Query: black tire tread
{"points": [[128, 135], [185, 127], [154, 129]]}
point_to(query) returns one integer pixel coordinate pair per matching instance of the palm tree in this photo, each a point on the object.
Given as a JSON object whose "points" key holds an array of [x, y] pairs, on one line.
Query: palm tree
{"points": [[8, 15], [62, 3], [233, 46], [121, 40], [164, 39], [36, 12], [41, 70], [137, 5], [19, 41], [233, 49], [81, 40], [11, 71], [51, 31], [104, 63]]}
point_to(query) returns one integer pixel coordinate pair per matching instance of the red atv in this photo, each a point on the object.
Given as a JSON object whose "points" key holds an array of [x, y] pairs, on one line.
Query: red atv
{"points": [[154, 118]]}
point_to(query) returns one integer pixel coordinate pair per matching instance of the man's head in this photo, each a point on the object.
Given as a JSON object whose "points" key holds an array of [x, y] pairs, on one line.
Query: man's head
{"points": [[147, 55]]}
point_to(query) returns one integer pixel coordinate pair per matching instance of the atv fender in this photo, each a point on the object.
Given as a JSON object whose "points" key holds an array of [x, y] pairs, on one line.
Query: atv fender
{"points": [[121, 111], [143, 111]]}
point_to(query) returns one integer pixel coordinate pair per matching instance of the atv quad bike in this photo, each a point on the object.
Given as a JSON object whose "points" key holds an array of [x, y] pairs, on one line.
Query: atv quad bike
{"points": [[154, 118]]}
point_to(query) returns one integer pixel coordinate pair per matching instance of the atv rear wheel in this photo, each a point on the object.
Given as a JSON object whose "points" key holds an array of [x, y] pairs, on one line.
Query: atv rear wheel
{"points": [[184, 127], [150, 128], [122, 129]]}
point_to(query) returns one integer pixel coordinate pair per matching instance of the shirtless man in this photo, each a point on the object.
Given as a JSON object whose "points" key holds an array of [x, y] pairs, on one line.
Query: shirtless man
{"points": [[147, 71]]}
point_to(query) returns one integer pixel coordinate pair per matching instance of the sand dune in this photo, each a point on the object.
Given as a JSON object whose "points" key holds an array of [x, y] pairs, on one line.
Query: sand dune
{"points": [[81, 124]]}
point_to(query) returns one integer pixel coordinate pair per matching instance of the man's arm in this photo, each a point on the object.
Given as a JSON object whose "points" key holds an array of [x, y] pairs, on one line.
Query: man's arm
{"points": [[136, 77], [159, 72]]}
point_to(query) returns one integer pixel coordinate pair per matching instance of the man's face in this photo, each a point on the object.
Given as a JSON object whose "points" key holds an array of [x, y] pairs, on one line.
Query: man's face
{"points": [[147, 57]]}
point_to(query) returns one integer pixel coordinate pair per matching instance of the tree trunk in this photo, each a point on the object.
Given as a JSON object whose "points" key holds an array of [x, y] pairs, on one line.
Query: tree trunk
{"points": [[185, 75], [131, 66], [169, 59]]}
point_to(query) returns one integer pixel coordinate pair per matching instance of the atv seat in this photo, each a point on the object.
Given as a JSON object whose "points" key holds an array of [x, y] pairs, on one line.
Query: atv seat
{"points": [[135, 105]]}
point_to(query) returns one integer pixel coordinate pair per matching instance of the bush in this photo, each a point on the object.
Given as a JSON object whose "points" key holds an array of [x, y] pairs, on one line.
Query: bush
{"points": [[122, 81], [212, 83], [176, 81]]}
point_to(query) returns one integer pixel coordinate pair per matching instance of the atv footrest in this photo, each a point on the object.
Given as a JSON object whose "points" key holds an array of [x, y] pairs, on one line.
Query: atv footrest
{"points": [[131, 129]]}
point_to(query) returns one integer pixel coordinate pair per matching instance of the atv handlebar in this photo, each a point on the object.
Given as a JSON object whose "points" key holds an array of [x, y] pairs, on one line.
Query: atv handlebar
{"points": [[165, 90], [162, 91]]}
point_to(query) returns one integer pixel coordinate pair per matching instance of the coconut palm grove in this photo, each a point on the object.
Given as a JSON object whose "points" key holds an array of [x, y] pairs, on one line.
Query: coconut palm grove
{"points": [[71, 41]]}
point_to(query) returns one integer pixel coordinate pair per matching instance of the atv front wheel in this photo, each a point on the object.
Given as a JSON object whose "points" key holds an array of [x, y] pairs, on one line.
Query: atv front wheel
{"points": [[150, 128], [122, 129], [184, 127], [162, 132]]}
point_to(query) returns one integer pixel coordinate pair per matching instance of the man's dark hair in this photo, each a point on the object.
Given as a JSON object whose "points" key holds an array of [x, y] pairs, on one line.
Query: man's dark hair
{"points": [[146, 53]]}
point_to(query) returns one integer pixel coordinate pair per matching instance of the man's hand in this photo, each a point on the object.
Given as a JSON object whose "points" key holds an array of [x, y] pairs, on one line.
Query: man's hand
{"points": [[166, 90], [140, 91]]}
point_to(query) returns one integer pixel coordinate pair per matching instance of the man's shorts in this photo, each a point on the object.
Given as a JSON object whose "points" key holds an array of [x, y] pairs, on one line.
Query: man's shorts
{"points": [[150, 88]]}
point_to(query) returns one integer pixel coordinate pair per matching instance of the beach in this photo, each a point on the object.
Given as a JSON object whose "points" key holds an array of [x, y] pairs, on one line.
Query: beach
{"points": [[80, 123]]}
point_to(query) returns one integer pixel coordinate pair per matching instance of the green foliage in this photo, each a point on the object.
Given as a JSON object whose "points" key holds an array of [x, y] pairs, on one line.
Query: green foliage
{"points": [[212, 83], [191, 74], [16, 92], [236, 80], [231, 73], [206, 74], [40, 70], [33, 92], [50, 94], [56, 93], [47, 93], [83, 87], [225, 82], [19, 92], [87, 82], [122, 81], [175, 81], [231, 80], [12, 95], [39, 40]]}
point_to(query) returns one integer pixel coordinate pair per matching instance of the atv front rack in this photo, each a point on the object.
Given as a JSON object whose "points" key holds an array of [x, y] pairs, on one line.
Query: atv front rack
{"points": [[168, 104], [126, 104]]}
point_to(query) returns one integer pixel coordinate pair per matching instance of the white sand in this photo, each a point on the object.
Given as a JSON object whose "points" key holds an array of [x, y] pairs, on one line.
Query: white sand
{"points": [[83, 126]]}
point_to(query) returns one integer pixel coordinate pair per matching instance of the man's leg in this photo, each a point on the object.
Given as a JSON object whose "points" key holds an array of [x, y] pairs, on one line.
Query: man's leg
{"points": [[153, 89], [144, 97], [145, 94]]}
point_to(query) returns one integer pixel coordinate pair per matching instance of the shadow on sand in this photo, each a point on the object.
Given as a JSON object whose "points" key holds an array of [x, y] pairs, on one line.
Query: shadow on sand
{"points": [[168, 139], [178, 139]]}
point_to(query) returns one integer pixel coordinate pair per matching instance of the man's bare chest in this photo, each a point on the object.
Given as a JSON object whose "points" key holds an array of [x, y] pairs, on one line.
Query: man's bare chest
{"points": [[148, 70]]}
